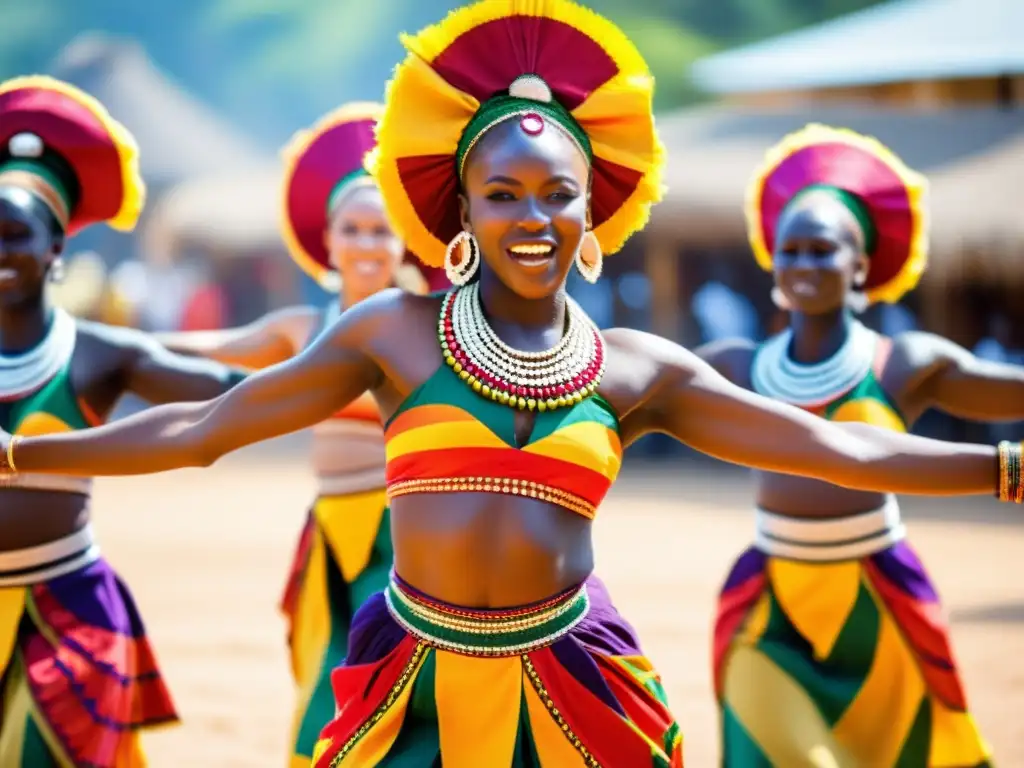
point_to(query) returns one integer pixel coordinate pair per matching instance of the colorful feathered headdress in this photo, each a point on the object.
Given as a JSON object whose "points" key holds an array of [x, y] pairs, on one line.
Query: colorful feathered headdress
{"points": [[568, 64], [323, 165], [61, 144], [885, 196]]}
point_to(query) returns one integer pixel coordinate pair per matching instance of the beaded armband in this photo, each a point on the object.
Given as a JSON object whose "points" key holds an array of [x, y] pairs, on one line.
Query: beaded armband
{"points": [[1010, 487]]}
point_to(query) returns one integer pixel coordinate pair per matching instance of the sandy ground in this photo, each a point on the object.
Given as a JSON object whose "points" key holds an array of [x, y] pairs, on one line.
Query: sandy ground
{"points": [[206, 553]]}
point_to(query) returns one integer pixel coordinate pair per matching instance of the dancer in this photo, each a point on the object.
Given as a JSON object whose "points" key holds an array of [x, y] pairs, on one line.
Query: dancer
{"points": [[335, 229], [507, 410], [830, 646], [80, 679]]}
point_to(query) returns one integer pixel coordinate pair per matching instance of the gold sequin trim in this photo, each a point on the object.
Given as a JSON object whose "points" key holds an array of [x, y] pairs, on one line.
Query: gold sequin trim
{"points": [[393, 694], [527, 488], [538, 685]]}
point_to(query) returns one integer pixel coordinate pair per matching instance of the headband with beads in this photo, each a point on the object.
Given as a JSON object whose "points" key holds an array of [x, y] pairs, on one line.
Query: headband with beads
{"points": [[529, 98]]}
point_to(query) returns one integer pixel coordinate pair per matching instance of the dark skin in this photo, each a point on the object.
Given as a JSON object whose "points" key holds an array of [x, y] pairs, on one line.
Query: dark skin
{"points": [[107, 362], [490, 550], [819, 260]]}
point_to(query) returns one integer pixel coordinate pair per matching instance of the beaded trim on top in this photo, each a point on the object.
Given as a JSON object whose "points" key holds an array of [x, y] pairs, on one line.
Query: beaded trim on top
{"points": [[561, 376], [21, 375], [774, 374], [490, 484]]}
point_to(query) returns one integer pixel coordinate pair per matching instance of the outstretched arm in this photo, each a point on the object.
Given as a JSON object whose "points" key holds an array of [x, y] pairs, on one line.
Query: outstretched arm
{"points": [[265, 342], [149, 370], [695, 404], [948, 377], [287, 397]]}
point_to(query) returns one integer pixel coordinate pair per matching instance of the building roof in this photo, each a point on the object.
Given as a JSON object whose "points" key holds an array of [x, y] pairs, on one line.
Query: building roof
{"points": [[237, 212], [712, 151], [978, 201], [899, 41]]}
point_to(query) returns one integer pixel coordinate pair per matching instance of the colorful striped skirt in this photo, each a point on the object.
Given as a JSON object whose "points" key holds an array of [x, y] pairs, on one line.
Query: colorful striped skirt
{"points": [[343, 557], [80, 679], [558, 683], [831, 649]]}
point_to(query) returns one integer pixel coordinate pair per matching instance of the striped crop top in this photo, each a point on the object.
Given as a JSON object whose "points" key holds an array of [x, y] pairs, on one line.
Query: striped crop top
{"points": [[49, 407], [444, 438]]}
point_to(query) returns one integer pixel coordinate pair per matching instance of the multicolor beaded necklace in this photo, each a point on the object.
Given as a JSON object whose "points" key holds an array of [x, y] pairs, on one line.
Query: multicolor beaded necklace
{"points": [[561, 376]]}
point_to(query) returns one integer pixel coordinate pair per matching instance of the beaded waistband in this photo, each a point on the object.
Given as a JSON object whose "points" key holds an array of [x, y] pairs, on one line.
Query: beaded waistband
{"points": [[830, 540], [474, 632], [527, 488], [33, 565]]}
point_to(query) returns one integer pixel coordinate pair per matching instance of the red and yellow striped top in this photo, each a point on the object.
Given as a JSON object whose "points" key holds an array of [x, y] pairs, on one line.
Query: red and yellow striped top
{"points": [[445, 438]]}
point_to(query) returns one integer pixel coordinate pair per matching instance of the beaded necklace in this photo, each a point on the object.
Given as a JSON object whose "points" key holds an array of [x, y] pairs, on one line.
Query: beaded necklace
{"points": [[776, 375], [21, 375], [561, 376]]}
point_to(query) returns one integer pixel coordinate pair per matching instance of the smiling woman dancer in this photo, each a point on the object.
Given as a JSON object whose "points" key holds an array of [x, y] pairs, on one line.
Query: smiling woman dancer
{"points": [[335, 229], [830, 645], [79, 677], [507, 410]]}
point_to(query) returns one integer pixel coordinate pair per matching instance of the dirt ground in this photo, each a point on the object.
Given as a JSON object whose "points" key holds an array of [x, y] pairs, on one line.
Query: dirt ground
{"points": [[205, 553]]}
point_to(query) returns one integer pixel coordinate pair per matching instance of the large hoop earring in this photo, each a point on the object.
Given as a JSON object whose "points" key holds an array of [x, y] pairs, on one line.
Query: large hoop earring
{"points": [[589, 258], [57, 273], [779, 299], [461, 267]]}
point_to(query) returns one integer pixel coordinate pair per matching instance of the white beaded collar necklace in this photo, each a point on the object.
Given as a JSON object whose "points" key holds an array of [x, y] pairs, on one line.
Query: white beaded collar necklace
{"points": [[776, 375], [23, 374]]}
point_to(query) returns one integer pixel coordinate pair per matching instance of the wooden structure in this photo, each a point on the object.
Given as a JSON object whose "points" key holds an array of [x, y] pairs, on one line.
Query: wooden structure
{"points": [[940, 81], [922, 53]]}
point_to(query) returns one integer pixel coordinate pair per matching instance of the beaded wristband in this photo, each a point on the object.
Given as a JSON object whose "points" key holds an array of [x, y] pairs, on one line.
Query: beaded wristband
{"points": [[1010, 484]]}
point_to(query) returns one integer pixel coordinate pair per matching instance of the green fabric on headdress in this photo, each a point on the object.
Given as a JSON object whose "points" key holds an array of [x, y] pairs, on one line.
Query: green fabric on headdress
{"points": [[343, 185], [499, 108], [852, 203], [47, 172]]}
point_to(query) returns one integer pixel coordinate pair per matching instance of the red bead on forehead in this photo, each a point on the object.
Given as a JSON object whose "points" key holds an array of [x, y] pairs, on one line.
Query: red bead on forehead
{"points": [[532, 124]]}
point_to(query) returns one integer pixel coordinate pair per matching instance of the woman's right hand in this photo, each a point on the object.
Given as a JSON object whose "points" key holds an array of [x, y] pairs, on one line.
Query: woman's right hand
{"points": [[287, 397]]}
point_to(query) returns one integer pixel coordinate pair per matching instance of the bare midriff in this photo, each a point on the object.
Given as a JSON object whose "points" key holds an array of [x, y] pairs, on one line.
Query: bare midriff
{"points": [[342, 447], [33, 517], [487, 550], [803, 497]]}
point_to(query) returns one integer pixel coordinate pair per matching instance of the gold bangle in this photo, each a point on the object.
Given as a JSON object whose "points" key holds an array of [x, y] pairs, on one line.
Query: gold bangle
{"points": [[1003, 484], [10, 452]]}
